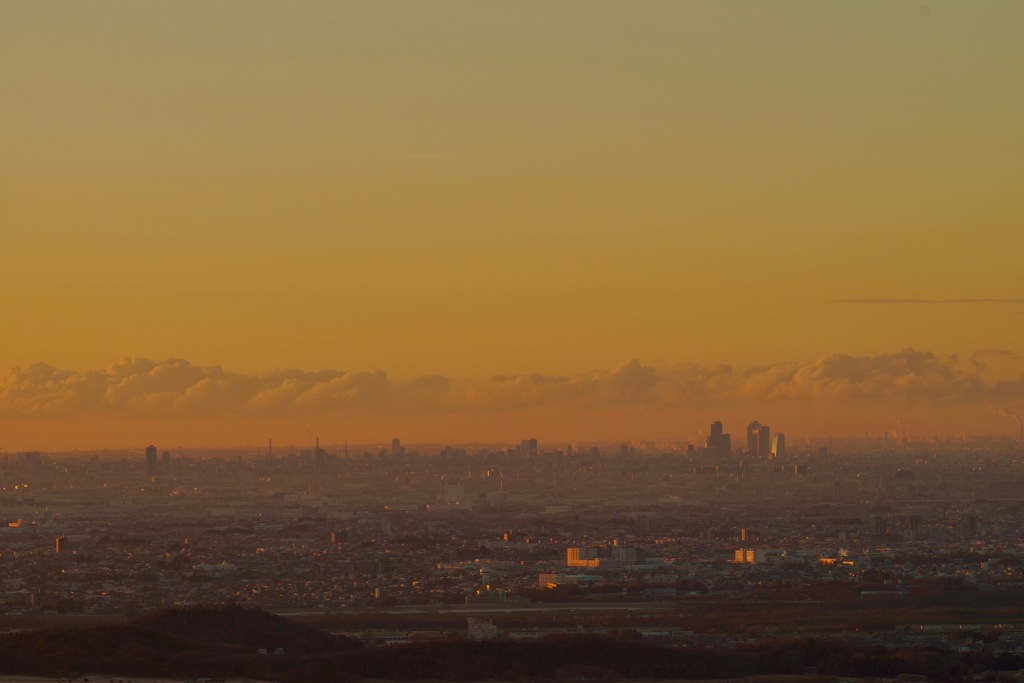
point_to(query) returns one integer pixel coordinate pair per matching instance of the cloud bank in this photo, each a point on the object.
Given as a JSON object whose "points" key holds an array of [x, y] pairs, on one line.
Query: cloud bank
{"points": [[138, 386]]}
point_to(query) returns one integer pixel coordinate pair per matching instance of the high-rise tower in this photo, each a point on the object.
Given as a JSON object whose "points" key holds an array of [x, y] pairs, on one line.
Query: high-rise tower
{"points": [[719, 445], [764, 442], [150, 460], [753, 433]]}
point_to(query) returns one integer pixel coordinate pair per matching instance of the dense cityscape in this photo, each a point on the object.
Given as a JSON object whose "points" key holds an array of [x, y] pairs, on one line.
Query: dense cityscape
{"points": [[518, 541], [572, 294]]}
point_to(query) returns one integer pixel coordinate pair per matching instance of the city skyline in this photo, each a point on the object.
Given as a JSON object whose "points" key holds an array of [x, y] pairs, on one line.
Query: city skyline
{"points": [[905, 393], [472, 222]]}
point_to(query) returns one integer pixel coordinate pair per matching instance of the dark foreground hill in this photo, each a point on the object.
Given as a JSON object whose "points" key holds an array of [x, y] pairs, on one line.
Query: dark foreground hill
{"points": [[225, 642], [201, 641], [604, 658]]}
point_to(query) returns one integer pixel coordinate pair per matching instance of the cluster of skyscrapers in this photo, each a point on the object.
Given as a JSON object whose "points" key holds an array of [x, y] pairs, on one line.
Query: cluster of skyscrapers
{"points": [[760, 443], [151, 460]]}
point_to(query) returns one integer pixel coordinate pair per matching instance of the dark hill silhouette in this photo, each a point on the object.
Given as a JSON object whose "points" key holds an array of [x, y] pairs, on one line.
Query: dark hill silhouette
{"points": [[223, 642], [253, 629], [200, 641]]}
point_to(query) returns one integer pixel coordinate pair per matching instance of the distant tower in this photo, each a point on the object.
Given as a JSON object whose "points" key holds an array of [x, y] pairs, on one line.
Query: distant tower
{"points": [[779, 445], [150, 460], [753, 433], [528, 448], [764, 442], [396, 446], [719, 445]]}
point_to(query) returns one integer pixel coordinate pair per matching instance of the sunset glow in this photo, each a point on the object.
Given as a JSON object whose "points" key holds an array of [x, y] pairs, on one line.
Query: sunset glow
{"points": [[458, 221]]}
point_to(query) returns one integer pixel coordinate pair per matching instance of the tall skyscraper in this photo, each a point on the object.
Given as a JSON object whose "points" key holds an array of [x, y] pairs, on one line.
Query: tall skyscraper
{"points": [[764, 442], [150, 460], [759, 443], [753, 433], [528, 448], [779, 445], [719, 445]]}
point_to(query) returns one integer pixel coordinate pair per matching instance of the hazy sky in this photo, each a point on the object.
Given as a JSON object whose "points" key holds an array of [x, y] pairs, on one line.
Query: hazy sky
{"points": [[533, 190]]}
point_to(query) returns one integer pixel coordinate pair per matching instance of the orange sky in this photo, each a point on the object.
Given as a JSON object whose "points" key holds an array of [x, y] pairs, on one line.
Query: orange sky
{"points": [[543, 191]]}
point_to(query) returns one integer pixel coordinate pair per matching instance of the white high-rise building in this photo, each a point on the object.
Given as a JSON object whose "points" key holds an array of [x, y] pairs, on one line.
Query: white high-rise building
{"points": [[779, 445]]}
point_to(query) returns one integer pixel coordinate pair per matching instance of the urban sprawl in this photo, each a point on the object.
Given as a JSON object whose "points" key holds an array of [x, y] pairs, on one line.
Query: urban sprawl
{"points": [[487, 532]]}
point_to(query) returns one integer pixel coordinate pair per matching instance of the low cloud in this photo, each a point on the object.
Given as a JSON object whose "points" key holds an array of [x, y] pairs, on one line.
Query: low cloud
{"points": [[981, 359], [139, 386]]}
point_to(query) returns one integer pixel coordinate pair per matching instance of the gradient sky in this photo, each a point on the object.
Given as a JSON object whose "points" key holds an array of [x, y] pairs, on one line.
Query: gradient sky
{"points": [[533, 190]]}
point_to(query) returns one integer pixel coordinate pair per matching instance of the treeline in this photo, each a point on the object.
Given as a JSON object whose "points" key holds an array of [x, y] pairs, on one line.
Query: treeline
{"points": [[225, 643]]}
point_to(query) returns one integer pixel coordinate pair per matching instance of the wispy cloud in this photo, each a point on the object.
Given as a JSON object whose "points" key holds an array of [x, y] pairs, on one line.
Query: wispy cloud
{"points": [[980, 359], [929, 301], [138, 386]]}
